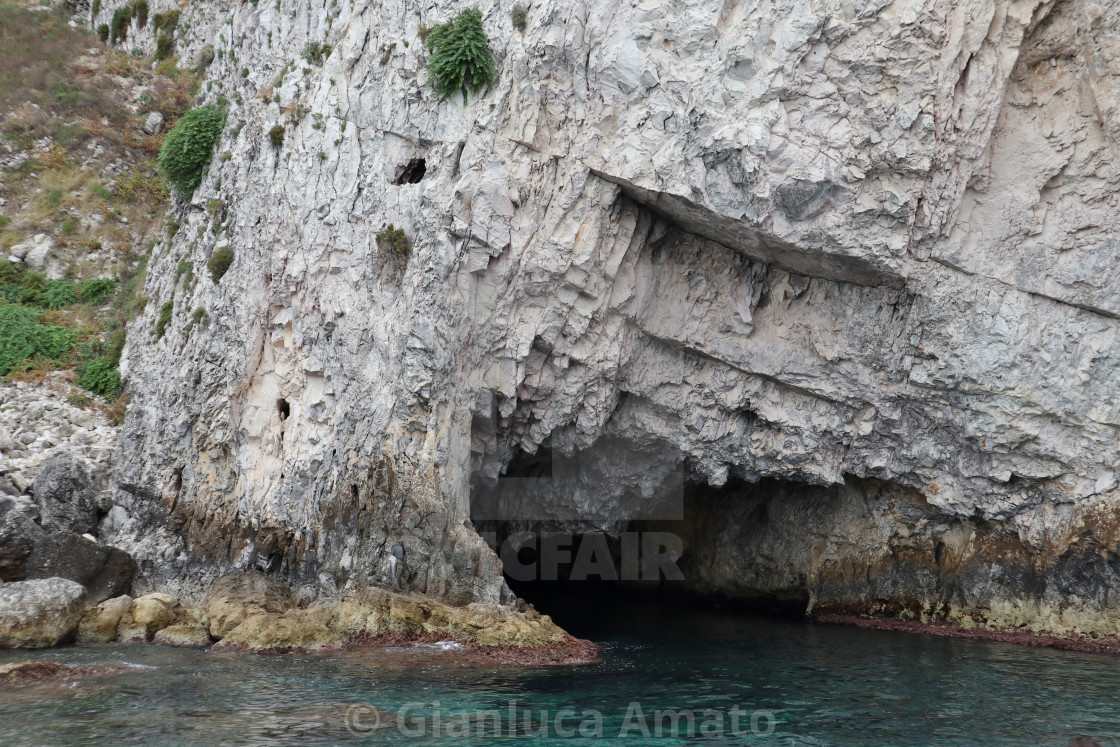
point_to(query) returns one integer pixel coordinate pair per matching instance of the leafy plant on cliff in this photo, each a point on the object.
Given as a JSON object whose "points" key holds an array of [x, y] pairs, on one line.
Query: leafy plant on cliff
{"points": [[119, 27], [315, 52], [100, 376], [95, 290], [394, 240], [166, 21], [165, 45], [189, 146], [518, 15], [461, 59], [219, 262], [23, 337], [164, 319], [60, 293]]}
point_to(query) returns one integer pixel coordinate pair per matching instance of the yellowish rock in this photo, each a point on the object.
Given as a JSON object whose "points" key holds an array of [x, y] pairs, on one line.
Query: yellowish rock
{"points": [[294, 629], [99, 624], [183, 635], [236, 598]]}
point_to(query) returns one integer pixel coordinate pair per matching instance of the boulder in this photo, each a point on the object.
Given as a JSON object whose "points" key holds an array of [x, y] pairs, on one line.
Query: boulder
{"points": [[20, 250], [99, 624], [41, 255], [106, 572], [150, 614], [64, 491], [153, 123], [18, 534], [238, 597], [183, 635], [37, 614]]}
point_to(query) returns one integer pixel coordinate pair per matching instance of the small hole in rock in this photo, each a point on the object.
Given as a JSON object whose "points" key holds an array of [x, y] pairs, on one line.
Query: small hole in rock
{"points": [[411, 173], [284, 408]]}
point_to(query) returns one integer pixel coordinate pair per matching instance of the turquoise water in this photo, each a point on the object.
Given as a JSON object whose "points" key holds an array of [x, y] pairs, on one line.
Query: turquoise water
{"points": [[805, 684]]}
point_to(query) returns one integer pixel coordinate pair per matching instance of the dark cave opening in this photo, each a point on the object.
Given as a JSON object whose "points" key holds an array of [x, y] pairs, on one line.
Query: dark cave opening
{"points": [[411, 172], [724, 549]]}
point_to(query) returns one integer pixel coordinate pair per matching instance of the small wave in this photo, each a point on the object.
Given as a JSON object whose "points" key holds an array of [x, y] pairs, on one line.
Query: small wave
{"points": [[134, 665], [441, 645]]}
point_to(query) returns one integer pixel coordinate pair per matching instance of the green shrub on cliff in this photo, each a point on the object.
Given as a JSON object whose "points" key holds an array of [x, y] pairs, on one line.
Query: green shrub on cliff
{"points": [[60, 293], [165, 46], [189, 146], [119, 27], [23, 337], [461, 59], [219, 262], [394, 240], [100, 376]]}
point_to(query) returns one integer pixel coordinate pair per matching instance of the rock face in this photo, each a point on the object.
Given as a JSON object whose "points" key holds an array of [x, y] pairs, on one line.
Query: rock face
{"points": [[238, 597], [63, 488], [858, 253], [38, 614], [18, 534]]}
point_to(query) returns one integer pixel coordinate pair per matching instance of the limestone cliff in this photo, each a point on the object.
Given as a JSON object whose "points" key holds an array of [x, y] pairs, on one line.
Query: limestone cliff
{"points": [[863, 252]]}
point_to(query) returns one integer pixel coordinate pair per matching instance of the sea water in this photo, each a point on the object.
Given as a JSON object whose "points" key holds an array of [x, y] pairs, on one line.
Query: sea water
{"points": [[667, 676]]}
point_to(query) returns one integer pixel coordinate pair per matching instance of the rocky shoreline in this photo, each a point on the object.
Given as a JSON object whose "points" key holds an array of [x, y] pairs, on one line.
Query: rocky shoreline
{"points": [[1067, 642], [253, 612]]}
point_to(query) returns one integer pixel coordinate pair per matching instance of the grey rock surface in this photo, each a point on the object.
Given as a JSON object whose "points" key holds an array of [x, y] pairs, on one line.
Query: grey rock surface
{"points": [[153, 123], [63, 488], [811, 242], [38, 614], [40, 255], [18, 534], [105, 572]]}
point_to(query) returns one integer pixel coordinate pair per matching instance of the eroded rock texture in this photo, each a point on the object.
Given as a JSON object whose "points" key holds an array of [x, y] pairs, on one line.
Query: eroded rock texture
{"points": [[828, 243]]}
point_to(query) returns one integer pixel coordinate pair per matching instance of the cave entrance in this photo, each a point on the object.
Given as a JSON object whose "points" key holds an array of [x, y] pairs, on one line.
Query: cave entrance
{"points": [[747, 546], [411, 173]]}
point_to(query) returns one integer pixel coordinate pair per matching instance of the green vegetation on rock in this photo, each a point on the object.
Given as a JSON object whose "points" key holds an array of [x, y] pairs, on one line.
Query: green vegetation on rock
{"points": [[461, 59], [189, 147], [164, 319], [219, 262], [23, 337], [101, 376], [394, 240]]}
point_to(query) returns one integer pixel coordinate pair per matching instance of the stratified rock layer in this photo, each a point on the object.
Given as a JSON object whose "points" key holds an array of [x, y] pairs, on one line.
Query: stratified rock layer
{"points": [[824, 243]]}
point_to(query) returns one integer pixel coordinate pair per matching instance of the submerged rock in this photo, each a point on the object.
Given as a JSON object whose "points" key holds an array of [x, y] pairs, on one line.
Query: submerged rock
{"points": [[38, 614], [22, 673]]}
